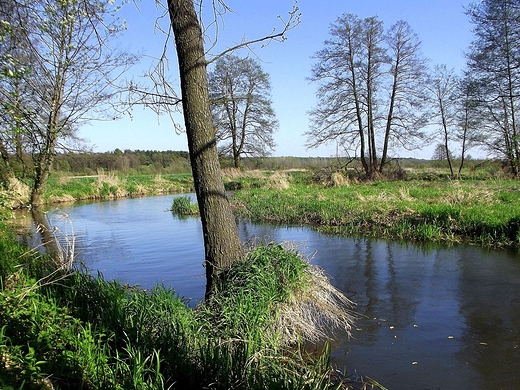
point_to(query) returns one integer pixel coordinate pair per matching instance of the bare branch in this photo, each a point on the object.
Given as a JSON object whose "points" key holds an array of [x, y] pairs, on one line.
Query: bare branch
{"points": [[292, 22]]}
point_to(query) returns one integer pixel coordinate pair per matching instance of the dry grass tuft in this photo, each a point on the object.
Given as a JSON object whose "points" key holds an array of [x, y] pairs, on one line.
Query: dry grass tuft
{"points": [[62, 198], [111, 180], [63, 180], [316, 312], [278, 181], [338, 180], [158, 179], [232, 173], [461, 196], [18, 193], [404, 194]]}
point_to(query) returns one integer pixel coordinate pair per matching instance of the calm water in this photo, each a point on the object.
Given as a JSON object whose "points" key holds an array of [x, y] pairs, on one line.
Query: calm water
{"points": [[433, 318]]}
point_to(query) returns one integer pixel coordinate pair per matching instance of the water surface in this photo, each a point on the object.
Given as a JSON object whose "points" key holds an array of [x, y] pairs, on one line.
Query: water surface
{"points": [[431, 317]]}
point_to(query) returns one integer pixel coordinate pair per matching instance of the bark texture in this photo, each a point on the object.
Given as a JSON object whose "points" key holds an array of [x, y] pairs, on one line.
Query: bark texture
{"points": [[221, 240]]}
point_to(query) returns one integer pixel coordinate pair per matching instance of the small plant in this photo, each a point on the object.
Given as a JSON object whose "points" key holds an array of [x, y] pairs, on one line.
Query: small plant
{"points": [[182, 206]]}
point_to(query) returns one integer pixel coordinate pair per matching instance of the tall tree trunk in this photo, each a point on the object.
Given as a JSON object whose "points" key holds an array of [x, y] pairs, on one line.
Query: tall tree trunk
{"points": [[465, 127], [221, 240], [446, 136], [357, 101], [390, 116]]}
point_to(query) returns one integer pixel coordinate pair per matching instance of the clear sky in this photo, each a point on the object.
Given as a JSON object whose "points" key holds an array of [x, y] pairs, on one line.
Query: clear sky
{"points": [[441, 25]]}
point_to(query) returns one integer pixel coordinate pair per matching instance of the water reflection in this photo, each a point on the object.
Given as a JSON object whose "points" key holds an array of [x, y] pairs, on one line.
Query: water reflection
{"points": [[490, 296], [432, 317]]}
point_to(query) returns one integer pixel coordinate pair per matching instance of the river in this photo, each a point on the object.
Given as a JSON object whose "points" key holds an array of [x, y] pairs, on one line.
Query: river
{"points": [[432, 317]]}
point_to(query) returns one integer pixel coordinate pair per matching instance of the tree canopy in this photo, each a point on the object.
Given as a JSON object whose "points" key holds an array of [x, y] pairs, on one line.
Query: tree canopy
{"points": [[494, 64]]}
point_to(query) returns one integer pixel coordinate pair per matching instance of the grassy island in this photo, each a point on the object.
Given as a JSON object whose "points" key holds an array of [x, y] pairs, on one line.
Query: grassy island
{"points": [[483, 212]]}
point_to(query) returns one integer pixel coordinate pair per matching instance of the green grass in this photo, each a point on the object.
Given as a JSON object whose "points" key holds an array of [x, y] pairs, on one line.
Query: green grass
{"points": [[483, 212], [65, 330], [64, 188], [182, 205]]}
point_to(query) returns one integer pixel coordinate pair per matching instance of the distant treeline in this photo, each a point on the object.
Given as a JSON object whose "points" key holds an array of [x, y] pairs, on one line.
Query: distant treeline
{"points": [[171, 162], [150, 162], [126, 162]]}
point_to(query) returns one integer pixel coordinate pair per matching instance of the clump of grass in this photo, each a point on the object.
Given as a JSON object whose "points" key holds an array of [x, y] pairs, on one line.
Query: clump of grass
{"points": [[277, 181], [275, 280], [262, 310], [182, 205]]}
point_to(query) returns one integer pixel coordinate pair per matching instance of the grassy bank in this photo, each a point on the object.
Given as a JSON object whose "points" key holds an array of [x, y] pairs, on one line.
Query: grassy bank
{"points": [[70, 330], [484, 212], [74, 188], [109, 186]]}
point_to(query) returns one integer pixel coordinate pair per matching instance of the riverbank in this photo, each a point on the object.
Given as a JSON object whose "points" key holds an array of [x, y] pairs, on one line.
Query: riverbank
{"points": [[62, 328], [427, 208], [62, 189], [481, 212]]}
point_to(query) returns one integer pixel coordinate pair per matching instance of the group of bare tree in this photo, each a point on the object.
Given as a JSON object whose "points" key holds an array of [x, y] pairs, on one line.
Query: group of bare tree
{"points": [[371, 93], [376, 91]]}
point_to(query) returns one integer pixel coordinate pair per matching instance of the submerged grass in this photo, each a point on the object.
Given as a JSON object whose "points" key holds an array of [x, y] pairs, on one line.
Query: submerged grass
{"points": [[86, 332], [481, 212]]}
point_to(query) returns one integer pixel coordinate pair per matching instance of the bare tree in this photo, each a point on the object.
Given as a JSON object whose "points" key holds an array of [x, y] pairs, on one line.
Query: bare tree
{"points": [[445, 98], [71, 74], [494, 60], [340, 116], [469, 119], [440, 153], [221, 240], [241, 107], [406, 111], [370, 90]]}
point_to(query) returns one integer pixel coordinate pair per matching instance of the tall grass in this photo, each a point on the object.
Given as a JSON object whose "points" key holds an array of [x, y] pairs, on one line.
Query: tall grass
{"points": [[182, 205], [86, 332]]}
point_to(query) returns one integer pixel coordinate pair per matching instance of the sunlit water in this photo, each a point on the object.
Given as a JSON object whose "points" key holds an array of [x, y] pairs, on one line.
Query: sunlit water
{"points": [[432, 318]]}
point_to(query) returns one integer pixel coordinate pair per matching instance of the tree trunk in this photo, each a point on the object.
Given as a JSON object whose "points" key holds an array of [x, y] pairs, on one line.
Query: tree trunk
{"points": [[446, 136], [390, 116], [43, 168], [221, 240]]}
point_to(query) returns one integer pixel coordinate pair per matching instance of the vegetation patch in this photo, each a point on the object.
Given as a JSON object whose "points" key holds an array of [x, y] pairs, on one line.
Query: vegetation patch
{"points": [[182, 205], [472, 211]]}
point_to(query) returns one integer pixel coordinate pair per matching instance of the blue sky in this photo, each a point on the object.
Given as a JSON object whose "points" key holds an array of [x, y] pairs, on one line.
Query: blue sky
{"points": [[441, 25]]}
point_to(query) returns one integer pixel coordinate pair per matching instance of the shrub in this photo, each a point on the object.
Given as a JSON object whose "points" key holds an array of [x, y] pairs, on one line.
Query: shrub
{"points": [[182, 206]]}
